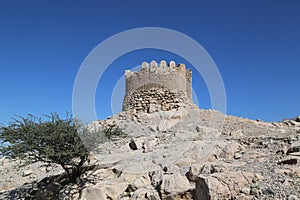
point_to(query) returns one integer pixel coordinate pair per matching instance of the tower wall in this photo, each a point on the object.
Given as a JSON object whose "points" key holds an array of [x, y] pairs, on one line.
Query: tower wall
{"points": [[173, 83]]}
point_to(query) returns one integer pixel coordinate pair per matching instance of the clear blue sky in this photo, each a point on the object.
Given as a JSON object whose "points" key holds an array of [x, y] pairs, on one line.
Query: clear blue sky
{"points": [[255, 44]]}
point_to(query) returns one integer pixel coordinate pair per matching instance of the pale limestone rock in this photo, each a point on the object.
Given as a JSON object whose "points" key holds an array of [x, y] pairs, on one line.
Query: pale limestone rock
{"points": [[237, 134], [229, 150], [148, 193], [296, 171], [293, 197], [153, 127], [208, 187], [254, 192], [129, 177], [282, 171], [245, 190], [237, 155], [141, 182], [27, 172], [107, 173], [218, 185], [253, 155], [207, 132], [92, 192], [7, 185], [94, 127], [213, 170], [234, 180], [174, 185], [204, 168], [166, 124], [104, 191], [156, 177], [244, 197]]}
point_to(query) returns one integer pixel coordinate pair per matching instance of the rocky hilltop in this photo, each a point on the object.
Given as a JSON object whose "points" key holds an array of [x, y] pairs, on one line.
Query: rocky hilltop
{"points": [[183, 153]]}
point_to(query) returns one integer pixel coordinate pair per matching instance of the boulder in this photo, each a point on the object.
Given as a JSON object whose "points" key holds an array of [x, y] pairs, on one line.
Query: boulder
{"points": [[245, 190], [254, 192], [234, 180], [207, 168], [141, 182], [208, 187], [92, 192], [104, 191], [174, 186], [293, 197], [237, 155], [145, 194], [166, 124], [221, 185], [27, 172]]}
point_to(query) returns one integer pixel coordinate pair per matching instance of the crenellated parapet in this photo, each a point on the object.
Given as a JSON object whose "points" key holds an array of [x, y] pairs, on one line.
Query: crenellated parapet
{"points": [[162, 67], [173, 81]]}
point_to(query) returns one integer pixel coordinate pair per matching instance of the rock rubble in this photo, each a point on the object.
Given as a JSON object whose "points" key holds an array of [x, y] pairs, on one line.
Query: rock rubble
{"points": [[176, 154]]}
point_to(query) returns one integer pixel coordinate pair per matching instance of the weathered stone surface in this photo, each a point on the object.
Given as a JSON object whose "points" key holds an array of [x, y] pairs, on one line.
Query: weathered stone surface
{"points": [[92, 193], [158, 87], [27, 172], [293, 197], [188, 160], [204, 168], [208, 187], [254, 192], [145, 194], [234, 180], [141, 182], [237, 155], [104, 191], [174, 186], [245, 190]]}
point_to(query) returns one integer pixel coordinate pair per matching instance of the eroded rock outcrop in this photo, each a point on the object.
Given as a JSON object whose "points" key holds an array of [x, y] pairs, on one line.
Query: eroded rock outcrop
{"points": [[187, 159]]}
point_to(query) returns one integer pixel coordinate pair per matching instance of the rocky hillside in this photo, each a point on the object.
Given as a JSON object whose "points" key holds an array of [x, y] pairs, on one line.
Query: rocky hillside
{"points": [[185, 153]]}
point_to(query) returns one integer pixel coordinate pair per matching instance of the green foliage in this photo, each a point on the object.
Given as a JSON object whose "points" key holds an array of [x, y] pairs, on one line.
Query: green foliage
{"points": [[50, 140], [93, 136], [114, 132]]}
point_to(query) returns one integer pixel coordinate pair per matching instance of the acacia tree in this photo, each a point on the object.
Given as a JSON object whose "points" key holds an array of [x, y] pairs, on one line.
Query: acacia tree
{"points": [[49, 139]]}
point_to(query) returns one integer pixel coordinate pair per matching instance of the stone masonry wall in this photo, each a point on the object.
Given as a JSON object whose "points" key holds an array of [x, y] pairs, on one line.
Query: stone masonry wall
{"points": [[157, 87]]}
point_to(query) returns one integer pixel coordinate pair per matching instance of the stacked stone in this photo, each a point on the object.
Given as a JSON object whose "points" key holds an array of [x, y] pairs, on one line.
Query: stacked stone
{"points": [[157, 87], [155, 97]]}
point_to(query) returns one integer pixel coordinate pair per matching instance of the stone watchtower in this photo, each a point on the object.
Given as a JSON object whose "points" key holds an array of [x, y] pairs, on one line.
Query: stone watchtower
{"points": [[156, 87]]}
